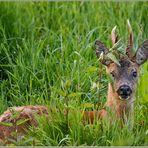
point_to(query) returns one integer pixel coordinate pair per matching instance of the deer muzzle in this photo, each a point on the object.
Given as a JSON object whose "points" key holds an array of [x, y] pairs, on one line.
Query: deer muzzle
{"points": [[124, 92]]}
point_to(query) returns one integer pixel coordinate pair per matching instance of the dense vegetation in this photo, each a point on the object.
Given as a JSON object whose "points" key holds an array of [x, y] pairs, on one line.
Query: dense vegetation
{"points": [[47, 57]]}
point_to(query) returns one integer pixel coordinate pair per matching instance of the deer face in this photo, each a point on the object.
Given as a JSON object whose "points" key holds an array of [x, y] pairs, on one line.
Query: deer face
{"points": [[124, 74], [124, 77]]}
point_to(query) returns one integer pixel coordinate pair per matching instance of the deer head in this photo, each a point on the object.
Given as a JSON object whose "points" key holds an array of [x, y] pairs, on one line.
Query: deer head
{"points": [[124, 75]]}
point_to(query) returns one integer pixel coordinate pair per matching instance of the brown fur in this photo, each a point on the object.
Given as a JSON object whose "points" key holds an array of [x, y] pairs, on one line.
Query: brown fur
{"points": [[26, 114], [91, 116]]}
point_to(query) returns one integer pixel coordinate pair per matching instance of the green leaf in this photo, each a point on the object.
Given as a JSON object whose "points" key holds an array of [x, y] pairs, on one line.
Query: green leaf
{"points": [[67, 84], [113, 58], [91, 69], [62, 93], [73, 94], [110, 79], [21, 121], [87, 105], [121, 50], [6, 123]]}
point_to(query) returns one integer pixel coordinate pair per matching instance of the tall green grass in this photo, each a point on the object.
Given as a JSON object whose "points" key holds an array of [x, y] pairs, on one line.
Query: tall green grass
{"points": [[47, 57]]}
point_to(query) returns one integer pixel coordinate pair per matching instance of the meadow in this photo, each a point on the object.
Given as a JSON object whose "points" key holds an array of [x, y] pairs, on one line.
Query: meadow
{"points": [[47, 57]]}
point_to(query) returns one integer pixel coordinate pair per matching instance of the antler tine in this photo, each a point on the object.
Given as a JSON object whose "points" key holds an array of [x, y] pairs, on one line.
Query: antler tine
{"points": [[114, 37], [130, 41]]}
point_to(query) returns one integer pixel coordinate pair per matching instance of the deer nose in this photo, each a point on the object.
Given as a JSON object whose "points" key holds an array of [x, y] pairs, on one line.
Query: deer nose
{"points": [[124, 91]]}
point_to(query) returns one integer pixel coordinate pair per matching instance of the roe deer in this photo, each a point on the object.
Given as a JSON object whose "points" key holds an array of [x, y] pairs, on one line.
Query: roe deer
{"points": [[120, 93], [124, 75]]}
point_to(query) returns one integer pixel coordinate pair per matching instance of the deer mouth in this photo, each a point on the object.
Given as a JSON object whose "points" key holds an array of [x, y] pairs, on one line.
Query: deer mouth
{"points": [[124, 97]]}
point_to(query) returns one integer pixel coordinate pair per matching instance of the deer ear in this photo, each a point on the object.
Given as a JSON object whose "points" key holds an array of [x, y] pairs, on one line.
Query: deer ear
{"points": [[142, 53], [100, 48]]}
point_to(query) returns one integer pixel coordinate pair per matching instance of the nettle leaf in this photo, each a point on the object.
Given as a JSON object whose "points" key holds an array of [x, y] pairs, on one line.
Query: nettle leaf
{"points": [[62, 93], [116, 45], [119, 48], [87, 105], [111, 80], [75, 94], [91, 69], [6, 124], [113, 58], [67, 84], [21, 121]]}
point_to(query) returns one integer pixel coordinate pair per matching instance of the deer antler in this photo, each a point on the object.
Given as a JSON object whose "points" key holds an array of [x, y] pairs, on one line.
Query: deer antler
{"points": [[114, 36], [130, 41]]}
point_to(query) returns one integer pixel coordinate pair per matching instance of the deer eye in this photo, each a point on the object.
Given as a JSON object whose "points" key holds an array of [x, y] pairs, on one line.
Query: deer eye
{"points": [[134, 74]]}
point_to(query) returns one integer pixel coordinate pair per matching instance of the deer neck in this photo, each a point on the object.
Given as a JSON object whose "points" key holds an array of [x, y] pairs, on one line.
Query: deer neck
{"points": [[120, 107]]}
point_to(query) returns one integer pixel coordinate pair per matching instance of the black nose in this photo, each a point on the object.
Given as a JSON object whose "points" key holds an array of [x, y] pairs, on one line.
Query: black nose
{"points": [[124, 91]]}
